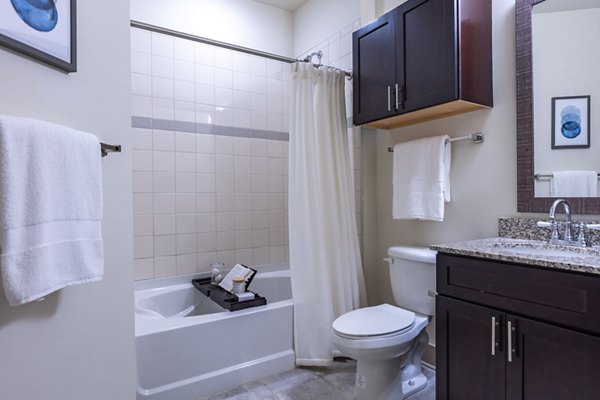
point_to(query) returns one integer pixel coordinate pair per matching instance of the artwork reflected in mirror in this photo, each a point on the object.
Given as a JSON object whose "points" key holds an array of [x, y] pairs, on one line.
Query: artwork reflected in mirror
{"points": [[566, 90]]}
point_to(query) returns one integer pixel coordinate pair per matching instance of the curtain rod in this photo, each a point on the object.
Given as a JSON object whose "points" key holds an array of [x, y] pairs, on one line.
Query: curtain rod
{"points": [[229, 46]]}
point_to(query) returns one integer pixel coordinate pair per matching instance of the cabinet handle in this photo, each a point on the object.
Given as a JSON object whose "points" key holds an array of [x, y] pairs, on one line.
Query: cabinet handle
{"points": [[509, 337], [389, 98], [494, 341], [397, 102], [512, 340]]}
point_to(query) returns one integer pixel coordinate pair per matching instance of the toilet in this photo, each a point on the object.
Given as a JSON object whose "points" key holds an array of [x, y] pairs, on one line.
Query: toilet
{"points": [[388, 341]]}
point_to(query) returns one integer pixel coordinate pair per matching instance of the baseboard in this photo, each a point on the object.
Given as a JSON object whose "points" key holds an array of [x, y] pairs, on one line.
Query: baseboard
{"points": [[429, 356]]}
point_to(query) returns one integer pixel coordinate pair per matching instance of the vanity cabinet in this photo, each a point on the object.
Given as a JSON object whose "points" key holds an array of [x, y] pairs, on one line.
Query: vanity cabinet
{"points": [[423, 60], [511, 331]]}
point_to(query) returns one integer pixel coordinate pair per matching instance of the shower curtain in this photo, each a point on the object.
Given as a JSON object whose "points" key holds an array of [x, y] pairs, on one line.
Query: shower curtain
{"points": [[325, 261]]}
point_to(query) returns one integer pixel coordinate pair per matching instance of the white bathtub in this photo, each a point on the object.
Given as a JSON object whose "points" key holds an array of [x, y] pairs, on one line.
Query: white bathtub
{"points": [[188, 347]]}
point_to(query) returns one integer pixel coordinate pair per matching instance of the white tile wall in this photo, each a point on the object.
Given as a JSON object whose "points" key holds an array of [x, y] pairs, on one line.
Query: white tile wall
{"points": [[199, 198]]}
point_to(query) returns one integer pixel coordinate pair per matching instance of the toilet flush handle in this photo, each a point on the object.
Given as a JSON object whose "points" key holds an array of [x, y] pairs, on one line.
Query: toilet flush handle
{"points": [[389, 260]]}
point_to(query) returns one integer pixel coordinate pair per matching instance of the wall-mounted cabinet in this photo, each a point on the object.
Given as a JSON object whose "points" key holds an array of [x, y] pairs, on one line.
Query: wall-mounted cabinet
{"points": [[426, 59]]}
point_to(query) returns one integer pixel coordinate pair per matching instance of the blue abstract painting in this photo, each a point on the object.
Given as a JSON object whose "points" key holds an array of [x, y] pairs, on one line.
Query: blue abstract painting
{"points": [[571, 122], [41, 15]]}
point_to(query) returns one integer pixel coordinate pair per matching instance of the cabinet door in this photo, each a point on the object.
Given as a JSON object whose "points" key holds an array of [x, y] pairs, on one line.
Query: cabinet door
{"points": [[374, 68], [469, 351], [551, 363], [426, 37]]}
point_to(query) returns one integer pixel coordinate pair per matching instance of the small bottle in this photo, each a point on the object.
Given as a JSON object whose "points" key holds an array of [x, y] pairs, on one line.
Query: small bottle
{"points": [[216, 274], [239, 285]]}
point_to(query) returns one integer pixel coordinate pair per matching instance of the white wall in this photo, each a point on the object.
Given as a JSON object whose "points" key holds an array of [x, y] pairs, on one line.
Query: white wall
{"points": [[483, 176], [565, 63], [241, 22], [317, 20], [78, 343]]}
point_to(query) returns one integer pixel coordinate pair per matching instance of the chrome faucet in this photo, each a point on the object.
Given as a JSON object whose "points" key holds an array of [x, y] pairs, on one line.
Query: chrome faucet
{"points": [[567, 237], [568, 234]]}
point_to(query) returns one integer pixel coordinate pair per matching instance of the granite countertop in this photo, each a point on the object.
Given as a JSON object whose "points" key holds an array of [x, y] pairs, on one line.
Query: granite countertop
{"points": [[530, 252]]}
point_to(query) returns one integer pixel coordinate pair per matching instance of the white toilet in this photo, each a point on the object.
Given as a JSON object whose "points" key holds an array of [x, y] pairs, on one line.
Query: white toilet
{"points": [[388, 341]]}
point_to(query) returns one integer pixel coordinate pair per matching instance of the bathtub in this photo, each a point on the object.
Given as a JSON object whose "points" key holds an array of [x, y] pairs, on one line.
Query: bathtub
{"points": [[187, 346]]}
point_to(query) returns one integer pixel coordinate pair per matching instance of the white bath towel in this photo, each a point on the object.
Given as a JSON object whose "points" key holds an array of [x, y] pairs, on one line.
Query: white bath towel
{"points": [[421, 178], [574, 184], [50, 208]]}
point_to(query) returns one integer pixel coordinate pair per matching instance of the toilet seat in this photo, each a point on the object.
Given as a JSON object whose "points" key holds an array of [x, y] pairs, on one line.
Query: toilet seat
{"points": [[377, 321]]}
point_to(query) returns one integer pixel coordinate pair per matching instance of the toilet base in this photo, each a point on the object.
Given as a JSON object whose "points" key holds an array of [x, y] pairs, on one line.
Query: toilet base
{"points": [[414, 385], [392, 379]]}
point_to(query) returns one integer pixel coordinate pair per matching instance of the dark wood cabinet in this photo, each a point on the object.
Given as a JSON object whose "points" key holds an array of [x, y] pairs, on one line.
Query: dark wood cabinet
{"points": [[497, 337], [467, 369], [423, 60], [551, 363]]}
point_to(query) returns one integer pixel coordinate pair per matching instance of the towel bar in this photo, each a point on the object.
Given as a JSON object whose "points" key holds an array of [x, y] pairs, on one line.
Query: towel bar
{"points": [[547, 175], [106, 148], [474, 137]]}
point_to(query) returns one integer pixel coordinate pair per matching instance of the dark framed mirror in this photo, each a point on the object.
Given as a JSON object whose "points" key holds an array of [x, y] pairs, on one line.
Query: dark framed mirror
{"points": [[526, 173]]}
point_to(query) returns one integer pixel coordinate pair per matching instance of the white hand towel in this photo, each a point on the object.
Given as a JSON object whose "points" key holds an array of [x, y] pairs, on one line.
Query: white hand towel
{"points": [[421, 178], [50, 208], [574, 184]]}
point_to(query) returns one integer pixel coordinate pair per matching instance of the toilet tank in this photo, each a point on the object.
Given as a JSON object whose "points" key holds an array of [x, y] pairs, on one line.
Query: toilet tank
{"points": [[412, 277]]}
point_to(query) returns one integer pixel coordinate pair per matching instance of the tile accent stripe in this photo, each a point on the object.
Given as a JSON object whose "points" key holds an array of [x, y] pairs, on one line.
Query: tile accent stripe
{"points": [[219, 130]]}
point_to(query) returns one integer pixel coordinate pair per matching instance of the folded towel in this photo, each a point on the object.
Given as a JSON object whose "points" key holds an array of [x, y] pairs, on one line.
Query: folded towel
{"points": [[50, 208], [421, 178], [574, 184]]}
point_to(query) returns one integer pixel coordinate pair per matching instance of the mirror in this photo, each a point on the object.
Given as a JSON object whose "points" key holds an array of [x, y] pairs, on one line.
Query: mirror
{"points": [[555, 73], [566, 57]]}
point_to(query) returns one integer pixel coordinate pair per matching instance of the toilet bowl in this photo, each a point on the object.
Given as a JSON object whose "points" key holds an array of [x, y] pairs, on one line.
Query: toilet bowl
{"points": [[387, 341]]}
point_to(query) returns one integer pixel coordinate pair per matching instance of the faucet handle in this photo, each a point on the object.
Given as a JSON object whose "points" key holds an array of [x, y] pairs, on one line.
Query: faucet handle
{"points": [[581, 235], [550, 224]]}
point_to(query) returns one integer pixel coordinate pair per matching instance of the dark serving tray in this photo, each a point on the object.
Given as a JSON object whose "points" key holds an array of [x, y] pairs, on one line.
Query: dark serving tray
{"points": [[225, 299]]}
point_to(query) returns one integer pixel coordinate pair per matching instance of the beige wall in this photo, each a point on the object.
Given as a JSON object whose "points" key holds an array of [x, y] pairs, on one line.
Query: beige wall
{"points": [[483, 177], [78, 343]]}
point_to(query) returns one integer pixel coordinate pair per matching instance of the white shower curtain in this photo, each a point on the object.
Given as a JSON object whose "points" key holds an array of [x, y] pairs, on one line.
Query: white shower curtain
{"points": [[325, 262]]}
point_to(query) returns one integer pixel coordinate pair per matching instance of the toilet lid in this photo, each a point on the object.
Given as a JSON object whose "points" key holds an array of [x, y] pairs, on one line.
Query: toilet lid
{"points": [[374, 321]]}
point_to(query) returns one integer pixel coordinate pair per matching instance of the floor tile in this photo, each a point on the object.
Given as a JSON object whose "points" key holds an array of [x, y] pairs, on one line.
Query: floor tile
{"points": [[289, 379], [317, 389], [335, 382]]}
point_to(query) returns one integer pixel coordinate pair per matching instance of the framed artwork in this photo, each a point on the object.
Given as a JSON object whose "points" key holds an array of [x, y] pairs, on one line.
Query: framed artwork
{"points": [[41, 29], [571, 122]]}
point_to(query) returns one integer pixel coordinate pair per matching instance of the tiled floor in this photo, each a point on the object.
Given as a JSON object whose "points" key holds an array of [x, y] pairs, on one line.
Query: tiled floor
{"points": [[323, 383]]}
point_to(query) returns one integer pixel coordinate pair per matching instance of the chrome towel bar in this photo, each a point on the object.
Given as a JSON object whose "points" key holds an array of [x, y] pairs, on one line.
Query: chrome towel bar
{"points": [[474, 137], [109, 148], [547, 175]]}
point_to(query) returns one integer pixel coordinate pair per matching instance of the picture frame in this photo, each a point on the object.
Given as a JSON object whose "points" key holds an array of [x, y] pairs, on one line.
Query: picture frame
{"points": [[570, 122], [44, 30]]}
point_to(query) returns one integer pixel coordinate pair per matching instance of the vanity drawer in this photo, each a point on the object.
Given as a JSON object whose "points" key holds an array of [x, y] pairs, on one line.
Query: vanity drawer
{"points": [[562, 297]]}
